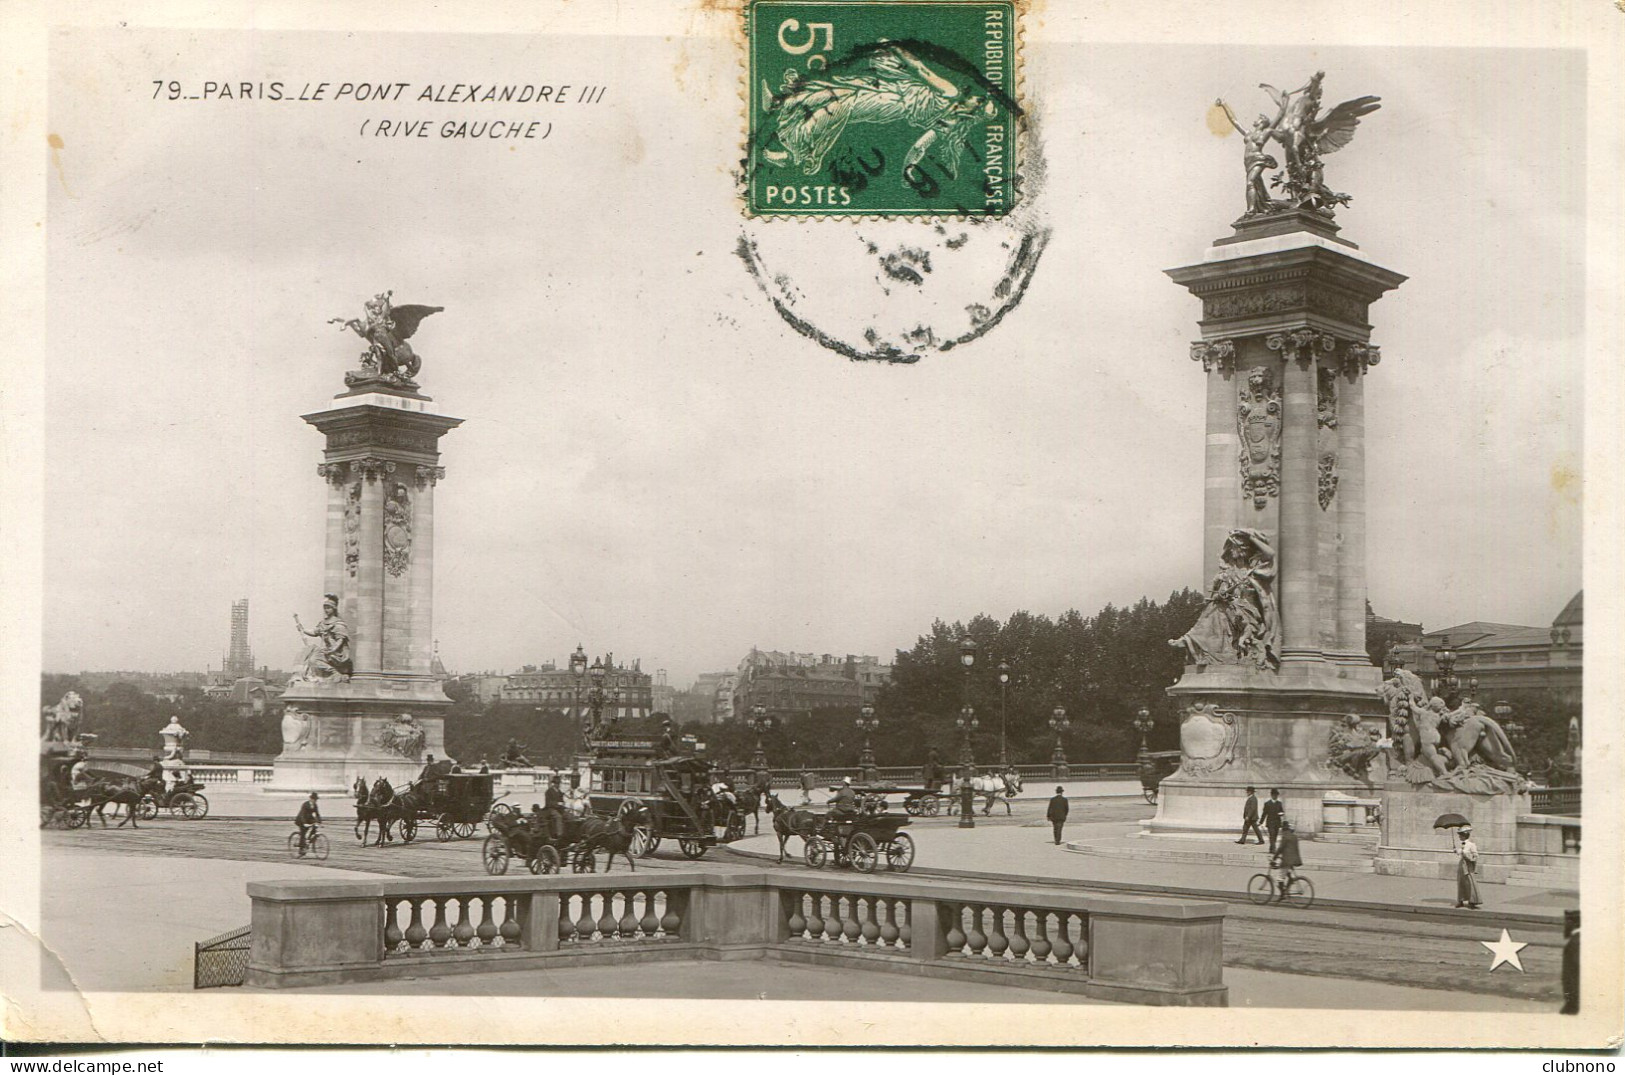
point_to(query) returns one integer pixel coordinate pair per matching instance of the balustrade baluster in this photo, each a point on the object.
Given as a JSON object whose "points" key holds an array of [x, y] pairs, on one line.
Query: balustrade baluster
{"points": [[585, 924], [650, 921], [487, 930], [440, 932], [416, 935], [671, 921], [607, 924], [392, 926], [1082, 944], [885, 910], [901, 910], [509, 929], [851, 930], [997, 941], [797, 922], [974, 937], [956, 932], [868, 911], [567, 920], [462, 934], [1060, 941], [1041, 945], [1019, 944], [815, 918]]}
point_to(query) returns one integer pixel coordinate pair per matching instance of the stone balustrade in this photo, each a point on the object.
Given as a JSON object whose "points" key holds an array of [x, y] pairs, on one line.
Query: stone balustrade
{"points": [[1149, 951], [232, 774]]}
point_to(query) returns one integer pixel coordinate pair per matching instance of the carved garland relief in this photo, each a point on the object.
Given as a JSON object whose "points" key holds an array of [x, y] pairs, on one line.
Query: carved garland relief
{"points": [[1258, 421], [352, 528], [397, 530], [1326, 434]]}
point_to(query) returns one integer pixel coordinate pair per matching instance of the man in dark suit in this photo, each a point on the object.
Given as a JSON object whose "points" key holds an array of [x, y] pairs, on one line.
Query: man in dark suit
{"points": [[1058, 809], [1274, 811], [1249, 816]]}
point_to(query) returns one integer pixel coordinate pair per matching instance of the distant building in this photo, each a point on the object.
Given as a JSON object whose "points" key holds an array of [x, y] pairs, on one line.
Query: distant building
{"points": [[239, 659], [631, 690], [1508, 656], [788, 684], [664, 696]]}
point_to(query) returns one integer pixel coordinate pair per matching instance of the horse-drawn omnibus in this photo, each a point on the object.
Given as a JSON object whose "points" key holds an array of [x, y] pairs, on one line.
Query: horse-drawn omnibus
{"points": [[676, 792]]}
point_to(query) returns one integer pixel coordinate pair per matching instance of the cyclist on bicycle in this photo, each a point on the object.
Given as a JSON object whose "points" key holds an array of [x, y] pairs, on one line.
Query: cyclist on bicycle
{"points": [[306, 820], [1286, 856]]}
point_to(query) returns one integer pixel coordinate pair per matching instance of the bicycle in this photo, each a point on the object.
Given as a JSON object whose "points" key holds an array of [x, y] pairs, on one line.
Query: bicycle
{"points": [[1296, 890], [316, 847]]}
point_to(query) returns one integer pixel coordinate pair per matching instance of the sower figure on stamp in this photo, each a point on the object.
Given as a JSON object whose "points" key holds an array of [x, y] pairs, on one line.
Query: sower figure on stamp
{"points": [[1249, 816]]}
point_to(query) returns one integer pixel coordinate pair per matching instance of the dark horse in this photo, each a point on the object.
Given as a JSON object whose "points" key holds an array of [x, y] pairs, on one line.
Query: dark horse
{"points": [[127, 795], [792, 821], [613, 836], [384, 805]]}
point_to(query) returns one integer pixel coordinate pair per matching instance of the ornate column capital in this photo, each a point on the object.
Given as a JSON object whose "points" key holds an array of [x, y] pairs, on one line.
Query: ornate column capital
{"points": [[1358, 358], [372, 467], [1300, 344], [335, 473], [427, 475], [1214, 354]]}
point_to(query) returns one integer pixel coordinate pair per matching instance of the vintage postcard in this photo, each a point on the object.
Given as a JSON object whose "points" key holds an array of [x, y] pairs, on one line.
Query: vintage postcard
{"points": [[812, 522]]}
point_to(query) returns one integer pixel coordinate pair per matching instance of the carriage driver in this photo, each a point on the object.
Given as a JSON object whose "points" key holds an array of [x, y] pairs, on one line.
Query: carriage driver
{"points": [[306, 820], [553, 810]]}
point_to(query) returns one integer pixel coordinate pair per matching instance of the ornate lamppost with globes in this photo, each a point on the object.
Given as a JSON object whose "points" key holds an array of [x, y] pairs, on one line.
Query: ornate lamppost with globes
{"points": [[1059, 724], [1445, 683], [867, 723], [759, 722], [967, 724], [598, 696], [1143, 724]]}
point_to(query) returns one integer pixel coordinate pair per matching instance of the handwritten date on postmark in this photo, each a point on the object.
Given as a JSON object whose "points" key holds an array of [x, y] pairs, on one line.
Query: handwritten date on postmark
{"points": [[881, 108]]}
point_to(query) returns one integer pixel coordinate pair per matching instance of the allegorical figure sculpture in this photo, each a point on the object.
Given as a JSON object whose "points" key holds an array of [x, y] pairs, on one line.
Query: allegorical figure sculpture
{"points": [[1306, 136], [1351, 748], [897, 87], [405, 736], [387, 327], [1461, 749], [329, 655], [1240, 623]]}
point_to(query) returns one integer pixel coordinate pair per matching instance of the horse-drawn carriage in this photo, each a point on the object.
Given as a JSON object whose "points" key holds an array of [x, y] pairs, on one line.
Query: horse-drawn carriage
{"points": [[182, 798], [674, 792], [865, 842], [1154, 765], [60, 805], [577, 841], [455, 801]]}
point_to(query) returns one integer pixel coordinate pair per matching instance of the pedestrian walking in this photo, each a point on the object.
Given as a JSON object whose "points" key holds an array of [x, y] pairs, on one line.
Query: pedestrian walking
{"points": [[1249, 816], [1467, 870], [807, 782], [1058, 809], [1274, 811]]}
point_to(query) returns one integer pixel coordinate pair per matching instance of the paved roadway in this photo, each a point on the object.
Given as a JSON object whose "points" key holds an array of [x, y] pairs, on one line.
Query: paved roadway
{"points": [[1435, 950]]}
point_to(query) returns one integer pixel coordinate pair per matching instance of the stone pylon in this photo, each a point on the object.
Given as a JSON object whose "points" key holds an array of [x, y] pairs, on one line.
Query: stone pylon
{"points": [[380, 466], [1285, 349]]}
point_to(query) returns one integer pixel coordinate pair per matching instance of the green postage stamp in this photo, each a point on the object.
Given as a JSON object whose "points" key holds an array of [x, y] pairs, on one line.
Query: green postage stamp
{"points": [[881, 108]]}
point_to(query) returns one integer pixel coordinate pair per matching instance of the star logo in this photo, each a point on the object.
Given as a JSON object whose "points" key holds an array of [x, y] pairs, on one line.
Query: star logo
{"points": [[1505, 950]]}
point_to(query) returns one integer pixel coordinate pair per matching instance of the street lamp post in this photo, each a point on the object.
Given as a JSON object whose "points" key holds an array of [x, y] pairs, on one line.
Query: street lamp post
{"points": [[1059, 724], [1004, 681], [967, 724], [1143, 724], [967, 768], [759, 722], [578, 666], [867, 723], [1445, 683]]}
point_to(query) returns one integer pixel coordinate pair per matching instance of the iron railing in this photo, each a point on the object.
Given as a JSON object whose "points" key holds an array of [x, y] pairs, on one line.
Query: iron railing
{"points": [[221, 960]]}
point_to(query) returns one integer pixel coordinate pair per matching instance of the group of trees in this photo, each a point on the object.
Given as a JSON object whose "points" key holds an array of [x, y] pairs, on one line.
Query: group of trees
{"points": [[1102, 669]]}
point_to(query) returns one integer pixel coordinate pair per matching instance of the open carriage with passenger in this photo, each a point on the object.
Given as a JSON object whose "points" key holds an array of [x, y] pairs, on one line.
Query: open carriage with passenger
{"points": [[547, 844], [182, 797], [868, 840]]}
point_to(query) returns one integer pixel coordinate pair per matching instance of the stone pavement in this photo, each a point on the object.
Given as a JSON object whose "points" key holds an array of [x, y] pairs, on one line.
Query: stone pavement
{"points": [[1024, 847]]}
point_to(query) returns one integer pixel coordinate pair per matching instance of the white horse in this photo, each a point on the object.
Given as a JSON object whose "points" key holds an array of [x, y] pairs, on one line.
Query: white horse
{"points": [[993, 785]]}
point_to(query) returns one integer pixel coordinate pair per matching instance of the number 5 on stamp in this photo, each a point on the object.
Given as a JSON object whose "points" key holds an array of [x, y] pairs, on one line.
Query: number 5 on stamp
{"points": [[877, 108]]}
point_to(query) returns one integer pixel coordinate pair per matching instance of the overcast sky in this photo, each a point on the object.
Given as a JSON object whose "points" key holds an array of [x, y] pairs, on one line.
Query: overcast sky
{"points": [[652, 462]]}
